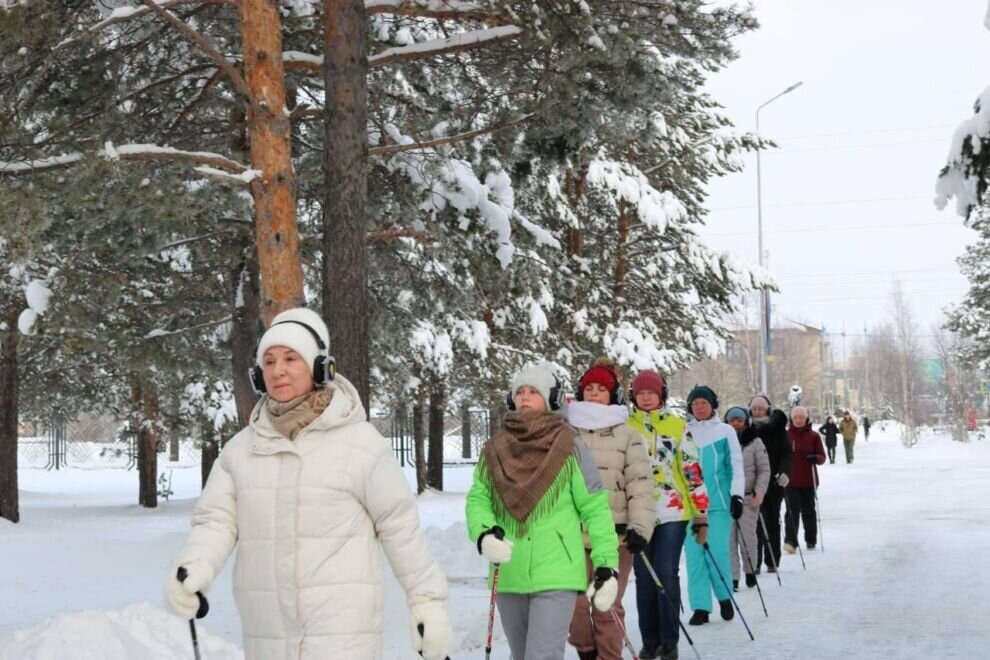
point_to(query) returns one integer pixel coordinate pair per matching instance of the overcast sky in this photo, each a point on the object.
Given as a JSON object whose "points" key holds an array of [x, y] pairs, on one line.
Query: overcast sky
{"points": [[847, 196]]}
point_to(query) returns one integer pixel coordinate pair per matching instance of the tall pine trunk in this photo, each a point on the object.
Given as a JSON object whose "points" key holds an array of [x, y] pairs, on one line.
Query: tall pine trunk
{"points": [[244, 332], [269, 131], [145, 401], [209, 449], [9, 506], [434, 467], [419, 442], [345, 156], [621, 264]]}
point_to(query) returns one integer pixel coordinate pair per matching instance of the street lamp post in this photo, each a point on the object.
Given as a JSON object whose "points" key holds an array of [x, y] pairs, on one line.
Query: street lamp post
{"points": [[765, 296]]}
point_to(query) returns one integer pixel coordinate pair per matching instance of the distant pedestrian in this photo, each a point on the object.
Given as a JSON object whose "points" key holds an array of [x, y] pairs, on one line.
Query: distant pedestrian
{"points": [[866, 428], [848, 428], [756, 467], [830, 431], [808, 451], [770, 426]]}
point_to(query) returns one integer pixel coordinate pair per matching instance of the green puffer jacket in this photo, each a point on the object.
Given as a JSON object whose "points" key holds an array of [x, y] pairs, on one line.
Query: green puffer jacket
{"points": [[551, 554]]}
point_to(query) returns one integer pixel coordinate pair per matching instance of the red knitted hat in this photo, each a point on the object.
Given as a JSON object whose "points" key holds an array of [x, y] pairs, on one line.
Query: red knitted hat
{"points": [[601, 375], [648, 380]]}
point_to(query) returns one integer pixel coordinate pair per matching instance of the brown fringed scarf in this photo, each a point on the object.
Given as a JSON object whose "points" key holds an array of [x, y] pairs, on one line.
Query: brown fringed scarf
{"points": [[524, 463], [293, 416]]}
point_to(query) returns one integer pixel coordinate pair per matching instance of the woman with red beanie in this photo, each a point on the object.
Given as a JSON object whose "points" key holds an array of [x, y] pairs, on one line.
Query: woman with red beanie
{"points": [[680, 497], [808, 452], [600, 416]]}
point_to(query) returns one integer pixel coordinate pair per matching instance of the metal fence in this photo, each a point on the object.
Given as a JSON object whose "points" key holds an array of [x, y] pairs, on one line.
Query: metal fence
{"points": [[97, 442], [92, 442], [463, 435]]}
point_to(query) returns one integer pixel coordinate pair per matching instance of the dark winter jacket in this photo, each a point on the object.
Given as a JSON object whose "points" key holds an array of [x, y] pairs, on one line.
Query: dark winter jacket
{"points": [[805, 442], [831, 433], [774, 436]]}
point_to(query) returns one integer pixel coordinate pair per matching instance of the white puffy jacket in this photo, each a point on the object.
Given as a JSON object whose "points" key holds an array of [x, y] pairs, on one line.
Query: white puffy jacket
{"points": [[307, 516]]}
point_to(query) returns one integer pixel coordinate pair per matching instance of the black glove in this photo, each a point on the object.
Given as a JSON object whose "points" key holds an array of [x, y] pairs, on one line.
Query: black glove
{"points": [[736, 507], [812, 458], [634, 542], [603, 575]]}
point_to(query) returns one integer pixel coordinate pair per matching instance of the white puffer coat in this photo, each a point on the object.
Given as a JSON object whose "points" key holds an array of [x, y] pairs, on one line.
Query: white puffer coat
{"points": [[307, 516]]}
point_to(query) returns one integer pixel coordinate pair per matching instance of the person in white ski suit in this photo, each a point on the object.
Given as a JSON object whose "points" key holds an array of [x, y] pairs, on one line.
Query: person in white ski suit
{"points": [[310, 493]]}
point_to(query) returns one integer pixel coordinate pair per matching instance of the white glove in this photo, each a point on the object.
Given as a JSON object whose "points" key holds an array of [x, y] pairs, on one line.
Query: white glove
{"points": [[603, 595], [180, 597], [437, 637], [496, 550], [783, 480]]}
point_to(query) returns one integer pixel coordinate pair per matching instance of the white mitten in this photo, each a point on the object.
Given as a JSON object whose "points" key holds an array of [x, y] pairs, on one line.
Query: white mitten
{"points": [[496, 550], [783, 480], [180, 597], [431, 630], [604, 589]]}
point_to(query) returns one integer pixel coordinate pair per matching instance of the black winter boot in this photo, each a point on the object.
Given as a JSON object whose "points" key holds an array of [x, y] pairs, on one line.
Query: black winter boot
{"points": [[649, 652], [588, 655], [725, 609], [668, 652], [750, 580], [699, 617], [735, 585]]}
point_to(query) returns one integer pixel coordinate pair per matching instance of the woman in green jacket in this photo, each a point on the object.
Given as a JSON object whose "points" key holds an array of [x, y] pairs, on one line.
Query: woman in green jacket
{"points": [[534, 487]]}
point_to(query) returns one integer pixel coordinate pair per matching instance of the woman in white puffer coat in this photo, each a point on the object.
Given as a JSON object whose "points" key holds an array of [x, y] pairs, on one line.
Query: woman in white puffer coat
{"points": [[307, 492]]}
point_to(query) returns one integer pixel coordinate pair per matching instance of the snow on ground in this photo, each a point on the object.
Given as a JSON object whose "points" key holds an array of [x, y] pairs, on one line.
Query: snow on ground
{"points": [[900, 571], [137, 631]]}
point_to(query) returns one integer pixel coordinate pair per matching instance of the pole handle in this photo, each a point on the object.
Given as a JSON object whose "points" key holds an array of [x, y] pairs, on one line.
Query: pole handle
{"points": [[422, 629], [204, 605]]}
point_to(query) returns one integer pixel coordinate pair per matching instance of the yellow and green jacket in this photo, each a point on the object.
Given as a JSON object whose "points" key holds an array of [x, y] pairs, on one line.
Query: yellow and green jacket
{"points": [[679, 487]]}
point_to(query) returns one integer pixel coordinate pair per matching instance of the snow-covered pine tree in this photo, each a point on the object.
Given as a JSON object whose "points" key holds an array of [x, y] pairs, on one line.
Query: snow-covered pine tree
{"points": [[136, 315], [606, 170], [965, 178], [171, 94]]}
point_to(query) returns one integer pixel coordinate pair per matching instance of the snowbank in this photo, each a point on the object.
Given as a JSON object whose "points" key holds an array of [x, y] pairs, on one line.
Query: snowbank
{"points": [[138, 631]]}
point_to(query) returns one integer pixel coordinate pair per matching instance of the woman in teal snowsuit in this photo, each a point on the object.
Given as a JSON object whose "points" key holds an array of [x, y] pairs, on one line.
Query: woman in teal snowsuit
{"points": [[722, 467]]}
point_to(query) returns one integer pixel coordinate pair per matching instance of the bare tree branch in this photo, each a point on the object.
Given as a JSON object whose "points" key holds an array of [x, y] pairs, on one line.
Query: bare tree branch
{"points": [[181, 117], [455, 44], [460, 137], [154, 334], [124, 152], [207, 47], [119, 15], [439, 9]]}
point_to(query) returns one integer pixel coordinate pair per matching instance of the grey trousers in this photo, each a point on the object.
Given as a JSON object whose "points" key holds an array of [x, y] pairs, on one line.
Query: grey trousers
{"points": [[536, 624], [747, 522]]}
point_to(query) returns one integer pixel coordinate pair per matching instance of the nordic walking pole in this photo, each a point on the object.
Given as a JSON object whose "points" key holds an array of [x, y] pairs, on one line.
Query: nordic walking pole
{"points": [[625, 636], [729, 589], [773, 562], [204, 608], [749, 560], [491, 614], [818, 510], [656, 580]]}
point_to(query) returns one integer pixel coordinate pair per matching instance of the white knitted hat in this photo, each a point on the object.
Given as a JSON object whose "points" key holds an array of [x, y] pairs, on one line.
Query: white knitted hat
{"points": [[288, 329], [538, 376]]}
